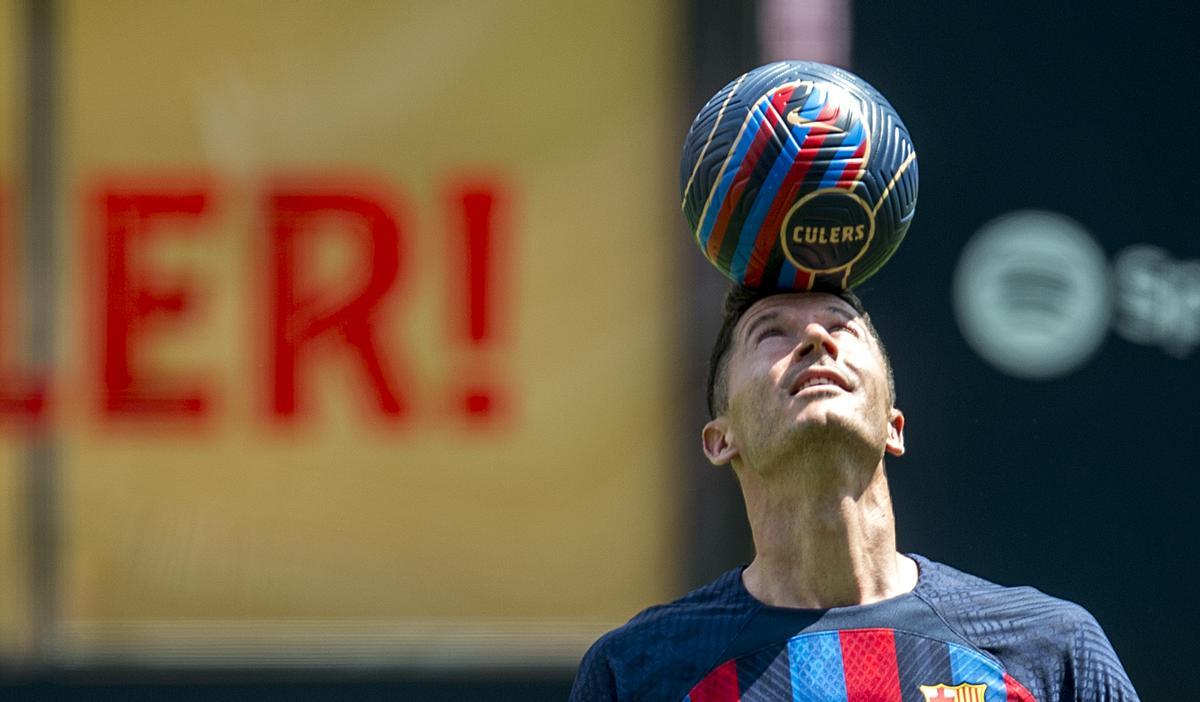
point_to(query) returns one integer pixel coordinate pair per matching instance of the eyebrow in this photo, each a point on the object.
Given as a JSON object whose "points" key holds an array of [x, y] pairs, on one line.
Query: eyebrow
{"points": [[773, 316], [758, 322], [841, 312]]}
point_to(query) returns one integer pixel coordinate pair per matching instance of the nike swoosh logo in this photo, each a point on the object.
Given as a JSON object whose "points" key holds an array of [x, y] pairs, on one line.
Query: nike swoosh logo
{"points": [[794, 117]]}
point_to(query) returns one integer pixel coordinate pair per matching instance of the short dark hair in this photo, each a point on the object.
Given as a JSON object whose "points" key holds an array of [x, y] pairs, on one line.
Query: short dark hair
{"points": [[737, 301]]}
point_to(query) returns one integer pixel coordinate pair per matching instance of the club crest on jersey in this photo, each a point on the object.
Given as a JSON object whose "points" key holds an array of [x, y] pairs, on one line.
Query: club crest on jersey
{"points": [[965, 692]]}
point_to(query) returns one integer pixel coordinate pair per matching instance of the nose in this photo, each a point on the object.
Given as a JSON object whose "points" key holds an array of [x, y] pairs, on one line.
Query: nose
{"points": [[814, 339]]}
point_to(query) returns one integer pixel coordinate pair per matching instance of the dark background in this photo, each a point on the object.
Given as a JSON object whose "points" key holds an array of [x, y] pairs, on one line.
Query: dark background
{"points": [[1081, 486]]}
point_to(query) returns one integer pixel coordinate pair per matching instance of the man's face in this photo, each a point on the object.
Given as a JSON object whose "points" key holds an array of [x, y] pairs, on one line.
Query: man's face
{"points": [[806, 377]]}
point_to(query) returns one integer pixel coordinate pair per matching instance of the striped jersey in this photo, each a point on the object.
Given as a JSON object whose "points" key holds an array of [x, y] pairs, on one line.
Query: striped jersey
{"points": [[954, 638]]}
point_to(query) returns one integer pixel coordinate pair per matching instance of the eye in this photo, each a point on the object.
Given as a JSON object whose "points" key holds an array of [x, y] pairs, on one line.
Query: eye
{"points": [[766, 333], [843, 326]]}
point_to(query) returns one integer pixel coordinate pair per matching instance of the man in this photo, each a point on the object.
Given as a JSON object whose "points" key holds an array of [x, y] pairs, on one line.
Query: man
{"points": [[803, 408]]}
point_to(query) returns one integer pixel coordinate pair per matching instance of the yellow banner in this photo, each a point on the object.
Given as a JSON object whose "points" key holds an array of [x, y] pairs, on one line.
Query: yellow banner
{"points": [[15, 555], [365, 337]]}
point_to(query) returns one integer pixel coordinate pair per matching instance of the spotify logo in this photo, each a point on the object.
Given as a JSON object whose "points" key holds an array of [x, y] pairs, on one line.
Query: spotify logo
{"points": [[1032, 294]]}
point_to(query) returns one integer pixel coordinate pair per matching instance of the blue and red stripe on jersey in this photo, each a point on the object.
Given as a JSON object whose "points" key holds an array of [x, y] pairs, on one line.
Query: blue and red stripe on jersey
{"points": [[855, 665]]}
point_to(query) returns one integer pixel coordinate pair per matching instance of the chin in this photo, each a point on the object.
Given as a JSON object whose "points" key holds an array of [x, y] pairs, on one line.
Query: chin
{"points": [[832, 434], [824, 416]]}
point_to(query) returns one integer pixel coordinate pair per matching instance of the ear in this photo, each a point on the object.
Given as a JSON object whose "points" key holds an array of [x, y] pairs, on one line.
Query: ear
{"points": [[718, 442], [895, 440]]}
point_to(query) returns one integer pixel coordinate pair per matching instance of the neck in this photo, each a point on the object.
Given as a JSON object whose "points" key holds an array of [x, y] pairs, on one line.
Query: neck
{"points": [[823, 538]]}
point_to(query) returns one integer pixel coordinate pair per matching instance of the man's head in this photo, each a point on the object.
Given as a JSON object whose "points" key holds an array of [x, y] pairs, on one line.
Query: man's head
{"points": [[773, 343], [737, 302]]}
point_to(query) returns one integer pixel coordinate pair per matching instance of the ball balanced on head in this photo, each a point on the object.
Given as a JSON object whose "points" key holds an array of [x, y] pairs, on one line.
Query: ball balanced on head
{"points": [[798, 175]]}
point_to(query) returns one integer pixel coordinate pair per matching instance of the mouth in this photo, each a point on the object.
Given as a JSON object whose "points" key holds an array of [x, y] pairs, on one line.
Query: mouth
{"points": [[818, 380]]}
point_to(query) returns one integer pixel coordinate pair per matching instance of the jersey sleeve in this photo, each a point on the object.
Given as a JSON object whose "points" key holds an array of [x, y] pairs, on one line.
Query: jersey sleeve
{"points": [[659, 654], [1052, 647], [1060, 649], [1094, 667], [595, 681]]}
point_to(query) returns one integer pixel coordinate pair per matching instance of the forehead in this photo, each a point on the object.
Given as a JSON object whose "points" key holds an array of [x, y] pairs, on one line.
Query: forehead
{"points": [[795, 306]]}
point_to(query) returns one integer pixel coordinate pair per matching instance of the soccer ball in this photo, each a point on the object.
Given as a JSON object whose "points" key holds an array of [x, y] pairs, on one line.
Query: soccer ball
{"points": [[797, 176]]}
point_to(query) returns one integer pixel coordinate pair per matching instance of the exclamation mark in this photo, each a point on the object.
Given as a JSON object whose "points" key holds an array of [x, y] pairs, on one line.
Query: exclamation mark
{"points": [[479, 296]]}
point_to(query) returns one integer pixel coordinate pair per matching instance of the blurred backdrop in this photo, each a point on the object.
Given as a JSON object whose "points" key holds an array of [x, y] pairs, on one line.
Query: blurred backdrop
{"points": [[357, 349]]}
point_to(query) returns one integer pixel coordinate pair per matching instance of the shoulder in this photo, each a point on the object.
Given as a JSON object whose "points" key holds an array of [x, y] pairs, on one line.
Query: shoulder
{"points": [[666, 647], [1053, 646], [984, 606]]}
